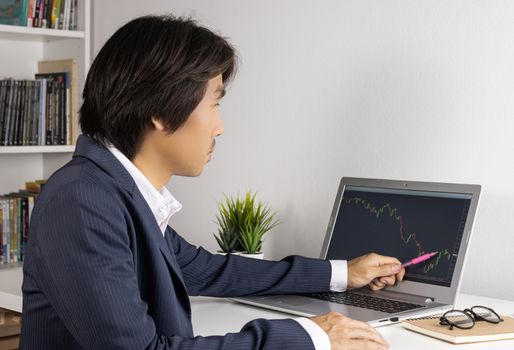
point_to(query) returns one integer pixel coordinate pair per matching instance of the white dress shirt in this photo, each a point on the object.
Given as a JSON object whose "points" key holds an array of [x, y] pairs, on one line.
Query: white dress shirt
{"points": [[161, 202], [164, 205]]}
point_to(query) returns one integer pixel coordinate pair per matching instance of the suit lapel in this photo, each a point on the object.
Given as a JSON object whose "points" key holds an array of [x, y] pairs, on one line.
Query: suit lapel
{"points": [[103, 158], [155, 233]]}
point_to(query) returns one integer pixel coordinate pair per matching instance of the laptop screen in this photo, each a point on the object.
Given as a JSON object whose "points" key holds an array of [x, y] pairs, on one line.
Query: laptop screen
{"points": [[404, 224]]}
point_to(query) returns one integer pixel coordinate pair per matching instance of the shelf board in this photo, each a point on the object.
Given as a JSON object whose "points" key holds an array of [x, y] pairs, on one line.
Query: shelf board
{"points": [[11, 296], [41, 32], [9, 266], [36, 149]]}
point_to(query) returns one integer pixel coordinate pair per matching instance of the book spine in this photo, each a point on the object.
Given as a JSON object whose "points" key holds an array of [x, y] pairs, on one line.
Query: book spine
{"points": [[35, 21], [42, 112], [28, 110], [73, 15], [56, 7], [8, 112], [11, 229], [30, 14], [13, 128], [62, 133], [48, 13], [35, 113], [3, 139], [68, 115], [55, 126], [25, 227], [3, 92], [30, 116], [1, 232], [29, 120], [21, 114], [5, 229], [61, 14], [48, 112], [66, 20], [23, 13], [41, 13]]}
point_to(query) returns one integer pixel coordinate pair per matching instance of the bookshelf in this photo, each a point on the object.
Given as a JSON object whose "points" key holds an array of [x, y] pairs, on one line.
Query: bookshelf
{"points": [[22, 48]]}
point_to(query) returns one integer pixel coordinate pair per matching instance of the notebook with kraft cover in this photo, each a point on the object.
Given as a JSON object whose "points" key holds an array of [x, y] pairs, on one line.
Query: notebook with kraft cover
{"points": [[404, 219]]}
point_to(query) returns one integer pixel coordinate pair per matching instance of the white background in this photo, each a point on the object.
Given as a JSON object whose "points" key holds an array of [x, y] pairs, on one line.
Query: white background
{"points": [[413, 90]]}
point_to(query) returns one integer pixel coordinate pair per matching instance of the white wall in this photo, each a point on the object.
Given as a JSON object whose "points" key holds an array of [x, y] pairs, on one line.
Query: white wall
{"points": [[415, 90]]}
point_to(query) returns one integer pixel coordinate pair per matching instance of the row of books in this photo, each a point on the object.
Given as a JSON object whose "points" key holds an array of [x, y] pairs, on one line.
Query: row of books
{"points": [[35, 112], [55, 14], [15, 212], [41, 111]]}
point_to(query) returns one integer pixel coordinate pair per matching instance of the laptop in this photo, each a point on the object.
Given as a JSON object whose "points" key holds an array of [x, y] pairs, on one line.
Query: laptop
{"points": [[404, 219]]}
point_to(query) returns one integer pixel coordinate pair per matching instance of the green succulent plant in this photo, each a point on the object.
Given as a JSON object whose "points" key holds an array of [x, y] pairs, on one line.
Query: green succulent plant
{"points": [[243, 223]]}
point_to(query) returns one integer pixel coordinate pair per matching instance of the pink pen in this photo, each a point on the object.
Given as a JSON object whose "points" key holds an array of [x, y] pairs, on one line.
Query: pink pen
{"points": [[419, 259]]}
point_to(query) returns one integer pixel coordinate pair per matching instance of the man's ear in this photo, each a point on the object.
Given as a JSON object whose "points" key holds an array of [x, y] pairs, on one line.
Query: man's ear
{"points": [[157, 124]]}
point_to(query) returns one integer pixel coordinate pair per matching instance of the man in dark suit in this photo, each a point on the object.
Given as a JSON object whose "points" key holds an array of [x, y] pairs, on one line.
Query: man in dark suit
{"points": [[103, 270]]}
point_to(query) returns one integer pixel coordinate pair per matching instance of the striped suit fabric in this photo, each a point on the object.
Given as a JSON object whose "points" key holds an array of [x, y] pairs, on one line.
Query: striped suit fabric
{"points": [[99, 274]]}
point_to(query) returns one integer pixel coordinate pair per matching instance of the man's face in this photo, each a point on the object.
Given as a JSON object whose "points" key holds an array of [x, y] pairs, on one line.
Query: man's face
{"points": [[190, 147]]}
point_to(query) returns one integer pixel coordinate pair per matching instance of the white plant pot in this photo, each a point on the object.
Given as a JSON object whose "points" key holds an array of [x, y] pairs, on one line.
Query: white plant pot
{"points": [[253, 256], [223, 253]]}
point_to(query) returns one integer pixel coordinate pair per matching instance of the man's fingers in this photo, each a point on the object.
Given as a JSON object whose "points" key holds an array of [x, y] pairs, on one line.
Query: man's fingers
{"points": [[387, 270], [376, 285], [390, 280], [400, 275], [360, 344], [361, 330], [384, 260]]}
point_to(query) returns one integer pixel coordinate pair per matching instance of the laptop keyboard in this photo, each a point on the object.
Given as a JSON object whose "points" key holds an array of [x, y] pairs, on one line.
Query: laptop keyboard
{"points": [[366, 301]]}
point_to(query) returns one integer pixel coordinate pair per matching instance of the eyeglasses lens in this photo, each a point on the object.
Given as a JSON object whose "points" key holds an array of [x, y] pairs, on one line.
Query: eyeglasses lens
{"points": [[459, 319], [486, 314]]}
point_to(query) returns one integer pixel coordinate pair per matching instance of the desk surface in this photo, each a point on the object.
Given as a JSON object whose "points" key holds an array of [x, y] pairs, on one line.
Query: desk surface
{"points": [[213, 316]]}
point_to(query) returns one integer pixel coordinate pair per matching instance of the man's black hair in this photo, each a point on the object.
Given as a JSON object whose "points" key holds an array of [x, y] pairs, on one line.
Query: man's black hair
{"points": [[152, 67]]}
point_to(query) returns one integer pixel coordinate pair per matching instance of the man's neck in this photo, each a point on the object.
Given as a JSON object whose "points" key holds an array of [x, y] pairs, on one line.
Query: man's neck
{"points": [[154, 168]]}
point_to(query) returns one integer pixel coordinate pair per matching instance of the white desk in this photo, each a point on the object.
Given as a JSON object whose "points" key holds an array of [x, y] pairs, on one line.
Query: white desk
{"points": [[213, 316]]}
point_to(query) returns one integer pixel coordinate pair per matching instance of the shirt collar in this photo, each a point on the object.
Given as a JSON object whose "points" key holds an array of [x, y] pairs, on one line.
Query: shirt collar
{"points": [[161, 202]]}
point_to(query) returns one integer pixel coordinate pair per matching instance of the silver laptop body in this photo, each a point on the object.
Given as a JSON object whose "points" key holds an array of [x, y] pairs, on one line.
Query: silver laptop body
{"points": [[397, 218]]}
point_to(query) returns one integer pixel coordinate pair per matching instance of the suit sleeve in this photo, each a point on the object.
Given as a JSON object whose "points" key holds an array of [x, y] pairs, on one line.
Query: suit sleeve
{"points": [[82, 262], [230, 275]]}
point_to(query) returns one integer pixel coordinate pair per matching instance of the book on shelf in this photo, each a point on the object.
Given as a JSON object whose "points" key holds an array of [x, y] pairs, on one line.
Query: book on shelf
{"points": [[481, 331], [54, 14], [13, 12], [41, 111], [57, 118], [15, 213], [25, 111], [70, 67]]}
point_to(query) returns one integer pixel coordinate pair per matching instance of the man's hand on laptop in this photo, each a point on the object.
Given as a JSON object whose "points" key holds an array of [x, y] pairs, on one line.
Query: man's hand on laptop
{"points": [[376, 271], [346, 333]]}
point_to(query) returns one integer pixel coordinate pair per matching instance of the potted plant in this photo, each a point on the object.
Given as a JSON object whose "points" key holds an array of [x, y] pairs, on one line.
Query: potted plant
{"points": [[243, 224]]}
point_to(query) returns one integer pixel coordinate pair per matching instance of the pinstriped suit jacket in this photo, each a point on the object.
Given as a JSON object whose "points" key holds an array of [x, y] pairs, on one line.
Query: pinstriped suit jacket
{"points": [[99, 274]]}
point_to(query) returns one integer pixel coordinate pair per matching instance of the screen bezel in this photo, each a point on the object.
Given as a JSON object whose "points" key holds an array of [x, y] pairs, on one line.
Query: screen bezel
{"points": [[441, 294]]}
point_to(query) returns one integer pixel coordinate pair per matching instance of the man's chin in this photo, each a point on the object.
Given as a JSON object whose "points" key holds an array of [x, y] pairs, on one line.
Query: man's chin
{"points": [[191, 173]]}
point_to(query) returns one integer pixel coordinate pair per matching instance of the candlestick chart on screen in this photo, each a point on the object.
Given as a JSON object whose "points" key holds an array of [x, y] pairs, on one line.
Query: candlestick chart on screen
{"points": [[403, 225]]}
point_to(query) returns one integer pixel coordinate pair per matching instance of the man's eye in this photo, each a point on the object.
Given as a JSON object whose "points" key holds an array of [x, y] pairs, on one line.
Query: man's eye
{"points": [[217, 105]]}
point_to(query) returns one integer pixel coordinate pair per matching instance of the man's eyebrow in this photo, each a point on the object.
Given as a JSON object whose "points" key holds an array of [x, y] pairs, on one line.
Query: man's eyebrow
{"points": [[220, 91]]}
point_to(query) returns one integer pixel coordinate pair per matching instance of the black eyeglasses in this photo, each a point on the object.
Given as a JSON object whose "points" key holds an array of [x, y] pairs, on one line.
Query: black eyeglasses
{"points": [[465, 319]]}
